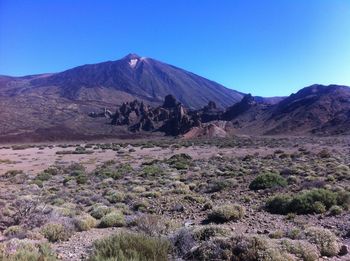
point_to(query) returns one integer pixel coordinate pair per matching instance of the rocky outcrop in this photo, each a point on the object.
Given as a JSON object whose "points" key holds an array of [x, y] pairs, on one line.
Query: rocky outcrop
{"points": [[207, 130], [210, 113], [136, 115], [172, 117], [237, 109], [169, 102], [179, 121]]}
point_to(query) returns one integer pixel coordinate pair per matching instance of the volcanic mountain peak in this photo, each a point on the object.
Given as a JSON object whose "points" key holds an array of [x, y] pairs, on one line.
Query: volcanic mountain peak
{"points": [[133, 59], [133, 77], [132, 56]]}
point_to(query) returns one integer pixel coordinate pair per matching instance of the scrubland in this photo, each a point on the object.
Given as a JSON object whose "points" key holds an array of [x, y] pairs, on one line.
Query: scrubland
{"points": [[241, 198]]}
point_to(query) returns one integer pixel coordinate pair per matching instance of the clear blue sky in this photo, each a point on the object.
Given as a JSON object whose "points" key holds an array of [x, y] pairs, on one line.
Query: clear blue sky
{"points": [[262, 47]]}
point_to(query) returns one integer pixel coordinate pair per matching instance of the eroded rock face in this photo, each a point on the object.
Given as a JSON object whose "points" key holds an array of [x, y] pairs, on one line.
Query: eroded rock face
{"points": [[237, 109], [210, 113]]}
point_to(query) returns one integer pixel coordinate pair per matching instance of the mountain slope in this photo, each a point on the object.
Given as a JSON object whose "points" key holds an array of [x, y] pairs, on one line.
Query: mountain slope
{"points": [[317, 109], [312, 109]]}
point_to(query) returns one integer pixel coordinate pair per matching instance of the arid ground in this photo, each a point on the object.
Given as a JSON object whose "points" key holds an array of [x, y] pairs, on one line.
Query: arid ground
{"points": [[242, 198]]}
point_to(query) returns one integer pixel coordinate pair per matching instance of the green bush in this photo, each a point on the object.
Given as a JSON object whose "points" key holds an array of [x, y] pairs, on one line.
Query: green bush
{"points": [[41, 177], [313, 201], [279, 204], [113, 219], [318, 207], [226, 213], [325, 240], [268, 180], [152, 171], [29, 252], [239, 248], [14, 231], [107, 171], [38, 182], [127, 246], [100, 211], [343, 199], [75, 167], [302, 249], [335, 210], [219, 185], [307, 202], [115, 197], [206, 232], [81, 179], [44, 176], [85, 222], [55, 232], [180, 161]]}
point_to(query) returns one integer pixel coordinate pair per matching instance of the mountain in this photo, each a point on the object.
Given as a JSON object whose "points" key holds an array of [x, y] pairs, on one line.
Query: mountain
{"points": [[132, 77], [269, 100], [317, 109], [56, 105]]}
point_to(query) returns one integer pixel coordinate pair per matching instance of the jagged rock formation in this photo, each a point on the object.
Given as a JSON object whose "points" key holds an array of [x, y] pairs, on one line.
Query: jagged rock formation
{"points": [[209, 113], [172, 117], [239, 108]]}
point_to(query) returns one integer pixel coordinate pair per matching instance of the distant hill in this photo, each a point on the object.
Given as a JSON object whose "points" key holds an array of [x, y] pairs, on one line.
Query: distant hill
{"points": [[317, 109]]}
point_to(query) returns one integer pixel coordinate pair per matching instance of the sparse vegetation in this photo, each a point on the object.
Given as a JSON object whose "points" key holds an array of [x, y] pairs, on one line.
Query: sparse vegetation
{"points": [[268, 180], [112, 219], [325, 240], [56, 232], [226, 213], [127, 246], [307, 202], [28, 252], [84, 223], [204, 200]]}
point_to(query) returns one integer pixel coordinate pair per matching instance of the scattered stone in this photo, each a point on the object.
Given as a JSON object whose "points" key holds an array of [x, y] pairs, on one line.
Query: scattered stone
{"points": [[344, 250]]}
